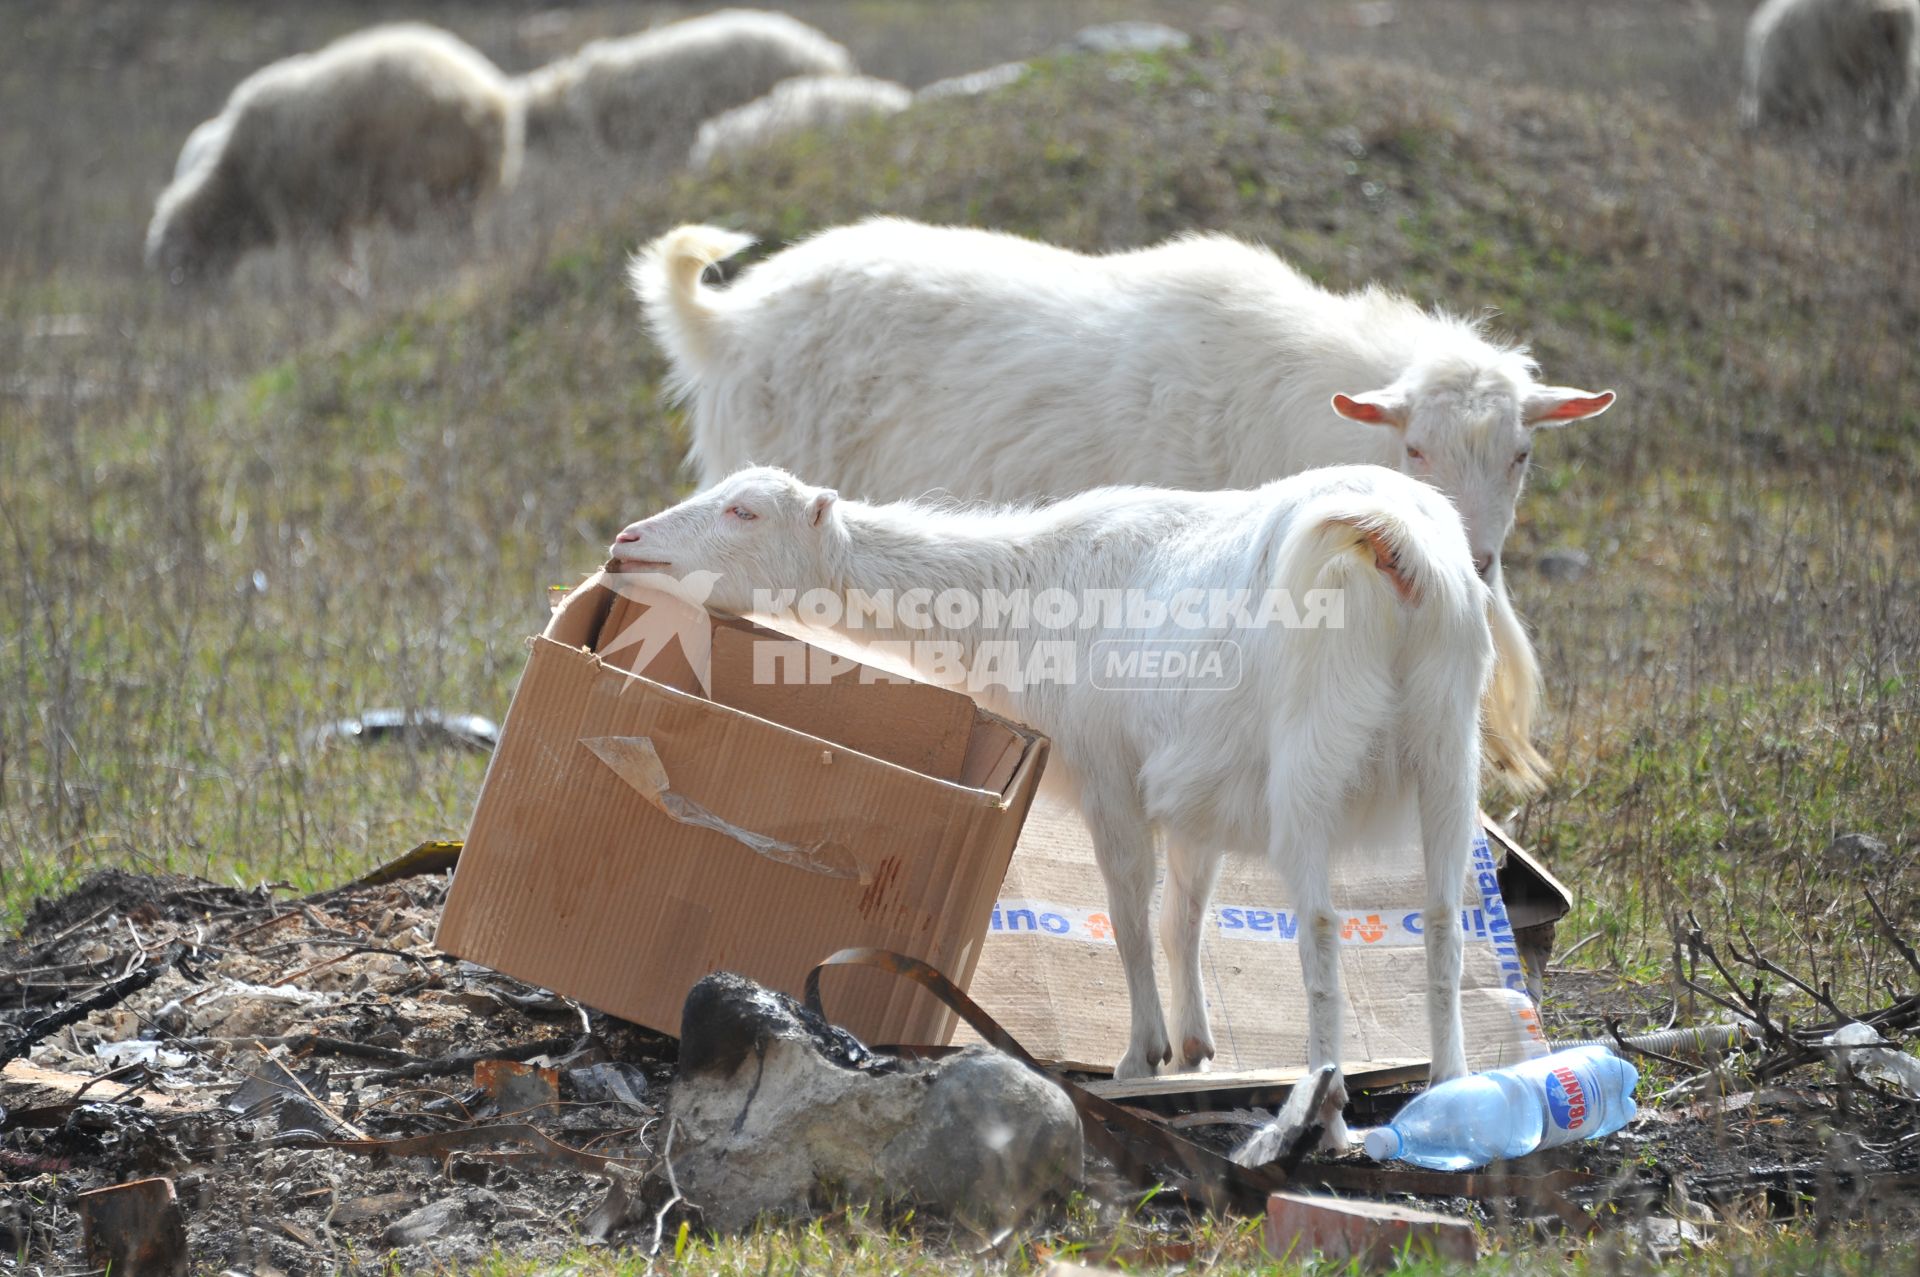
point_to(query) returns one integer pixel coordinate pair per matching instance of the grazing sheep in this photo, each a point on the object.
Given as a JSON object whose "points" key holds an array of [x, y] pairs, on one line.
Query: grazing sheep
{"points": [[650, 92], [1848, 64], [202, 144], [896, 359], [1337, 733], [796, 105], [382, 126]]}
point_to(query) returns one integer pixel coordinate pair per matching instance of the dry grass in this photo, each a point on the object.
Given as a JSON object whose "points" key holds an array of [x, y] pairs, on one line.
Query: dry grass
{"points": [[232, 518], [229, 518]]}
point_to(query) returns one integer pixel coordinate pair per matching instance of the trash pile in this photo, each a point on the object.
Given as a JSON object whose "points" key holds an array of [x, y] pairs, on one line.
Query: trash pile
{"points": [[320, 1085], [309, 1085]]}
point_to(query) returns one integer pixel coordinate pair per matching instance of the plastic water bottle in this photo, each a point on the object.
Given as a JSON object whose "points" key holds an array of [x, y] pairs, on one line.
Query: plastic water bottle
{"points": [[1580, 1094]]}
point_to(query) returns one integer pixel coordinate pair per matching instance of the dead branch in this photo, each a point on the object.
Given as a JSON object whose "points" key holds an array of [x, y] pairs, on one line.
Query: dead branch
{"points": [[110, 994], [465, 1061], [1886, 925]]}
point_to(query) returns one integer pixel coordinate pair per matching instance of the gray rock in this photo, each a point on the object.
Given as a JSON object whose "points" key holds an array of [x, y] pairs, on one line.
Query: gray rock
{"points": [[1128, 37], [1663, 1239], [456, 1216], [974, 83], [1563, 563], [1856, 849], [777, 1113]]}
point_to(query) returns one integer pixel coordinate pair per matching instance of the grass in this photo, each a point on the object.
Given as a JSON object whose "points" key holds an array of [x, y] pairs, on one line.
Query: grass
{"points": [[230, 520], [219, 560], [854, 1247]]}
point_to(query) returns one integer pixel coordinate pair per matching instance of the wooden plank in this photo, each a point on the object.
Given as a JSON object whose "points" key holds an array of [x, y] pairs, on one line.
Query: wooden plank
{"points": [[1256, 1087], [69, 1084]]}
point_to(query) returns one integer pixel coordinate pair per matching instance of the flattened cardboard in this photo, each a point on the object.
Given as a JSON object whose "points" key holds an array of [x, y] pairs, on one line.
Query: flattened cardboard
{"points": [[632, 835], [1050, 974]]}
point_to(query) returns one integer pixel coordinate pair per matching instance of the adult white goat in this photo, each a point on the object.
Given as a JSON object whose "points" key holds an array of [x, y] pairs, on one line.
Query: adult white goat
{"points": [[380, 126], [1334, 734], [1854, 64], [895, 359]]}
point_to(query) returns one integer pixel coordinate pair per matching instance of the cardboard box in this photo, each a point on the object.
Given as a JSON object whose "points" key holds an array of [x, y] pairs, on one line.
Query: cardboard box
{"points": [[1050, 974], [634, 833]]}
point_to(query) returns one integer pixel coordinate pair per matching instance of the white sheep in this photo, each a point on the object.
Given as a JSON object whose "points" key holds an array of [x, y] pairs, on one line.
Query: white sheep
{"points": [[381, 126], [805, 102], [1305, 739], [201, 145], [649, 92], [896, 359], [1850, 64]]}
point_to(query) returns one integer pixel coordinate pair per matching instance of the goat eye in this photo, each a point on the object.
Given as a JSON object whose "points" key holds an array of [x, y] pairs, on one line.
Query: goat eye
{"points": [[742, 513], [1522, 459], [1414, 454]]}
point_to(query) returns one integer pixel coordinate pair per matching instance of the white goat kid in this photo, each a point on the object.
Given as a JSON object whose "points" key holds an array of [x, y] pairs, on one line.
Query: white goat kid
{"points": [[896, 359], [1333, 733]]}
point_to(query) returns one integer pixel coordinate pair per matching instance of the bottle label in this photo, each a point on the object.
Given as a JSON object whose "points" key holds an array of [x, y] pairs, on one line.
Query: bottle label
{"points": [[1568, 1100]]}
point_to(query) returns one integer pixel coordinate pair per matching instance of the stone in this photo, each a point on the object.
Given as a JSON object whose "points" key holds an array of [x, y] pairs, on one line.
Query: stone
{"points": [[1128, 37], [1663, 1239], [777, 1112], [1563, 563], [460, 1215], [1856, 849]]}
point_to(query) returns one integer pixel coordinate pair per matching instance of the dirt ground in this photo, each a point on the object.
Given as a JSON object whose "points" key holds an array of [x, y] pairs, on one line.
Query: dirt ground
{"points": [[304, 1069]]}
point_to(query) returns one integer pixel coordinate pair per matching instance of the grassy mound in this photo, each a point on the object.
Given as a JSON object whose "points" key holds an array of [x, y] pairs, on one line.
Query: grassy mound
{"points": [[208, 571]]}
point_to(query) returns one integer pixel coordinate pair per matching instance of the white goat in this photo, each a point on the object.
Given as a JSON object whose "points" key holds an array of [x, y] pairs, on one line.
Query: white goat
{"points": [[1854, 64], [896, 359], [383, 125], [805, 102], [1334, 733], [650, 91]]}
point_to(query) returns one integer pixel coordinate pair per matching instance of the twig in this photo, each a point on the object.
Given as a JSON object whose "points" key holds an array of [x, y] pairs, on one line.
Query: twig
{"points": [[52, 942], [339, 1122], [1578, 945], [1886, 925], [110, 994], [466, 1060], [1624, 1046], [660, 1216], [300, 1043], [1760, 962]]}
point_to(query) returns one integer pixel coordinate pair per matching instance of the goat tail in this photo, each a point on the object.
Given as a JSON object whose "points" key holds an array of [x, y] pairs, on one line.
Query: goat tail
{"points": [[1410, 601], [1360, 541], [1513, 695], [665, 276]]}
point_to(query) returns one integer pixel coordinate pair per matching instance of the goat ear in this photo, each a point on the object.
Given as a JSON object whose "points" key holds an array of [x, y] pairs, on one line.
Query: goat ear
{"points": [[1562, 405], [1376, 408], [817, 508]]}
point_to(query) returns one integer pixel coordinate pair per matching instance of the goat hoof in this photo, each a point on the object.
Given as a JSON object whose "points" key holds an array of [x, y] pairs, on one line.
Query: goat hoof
{"points": [[1194, 1054]]}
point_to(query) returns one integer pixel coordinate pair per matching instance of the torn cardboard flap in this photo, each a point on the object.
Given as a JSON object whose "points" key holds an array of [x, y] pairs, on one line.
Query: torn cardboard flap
{"points": [[634, 760]]}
